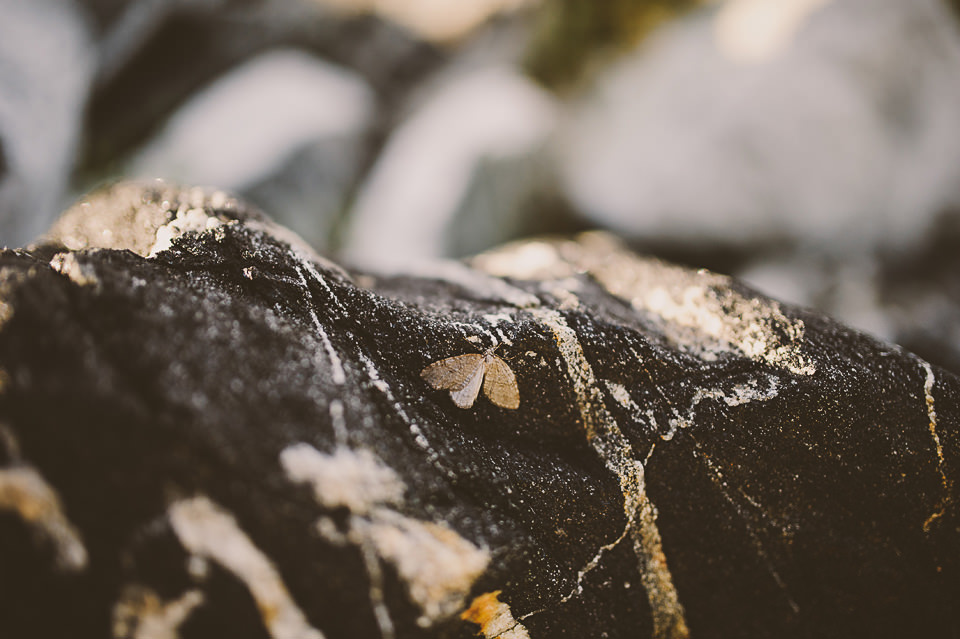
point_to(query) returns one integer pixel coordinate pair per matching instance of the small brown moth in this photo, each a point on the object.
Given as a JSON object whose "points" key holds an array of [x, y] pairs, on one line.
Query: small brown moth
{"points": [[462, 375]]}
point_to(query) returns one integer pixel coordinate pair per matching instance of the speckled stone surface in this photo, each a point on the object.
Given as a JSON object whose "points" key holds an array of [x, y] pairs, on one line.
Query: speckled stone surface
{"points": [[208, 430]]}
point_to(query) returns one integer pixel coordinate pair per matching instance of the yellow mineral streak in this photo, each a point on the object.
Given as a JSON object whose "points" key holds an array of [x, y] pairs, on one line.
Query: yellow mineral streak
{"points": [[929, 381], [140, 613], [609, 442], [494, 618], [24, 491]]}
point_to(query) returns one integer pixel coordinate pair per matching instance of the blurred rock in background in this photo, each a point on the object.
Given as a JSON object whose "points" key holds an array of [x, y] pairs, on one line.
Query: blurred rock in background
{"points": [[299, 157], [454, 175], [809, 146], [46, 64], [832, 123], [808, 138]]}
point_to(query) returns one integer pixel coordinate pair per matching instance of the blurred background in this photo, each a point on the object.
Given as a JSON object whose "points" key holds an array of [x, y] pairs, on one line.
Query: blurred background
{"points": [[810, 147]]}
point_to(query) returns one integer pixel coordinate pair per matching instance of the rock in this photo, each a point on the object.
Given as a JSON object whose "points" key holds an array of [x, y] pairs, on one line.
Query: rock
{"points": [[206, 430], [829, 124], [285, 129], [453, 178], [158, 53], [803, 146], [46, 63], [444, 25], [920, 291], [908, 295]]}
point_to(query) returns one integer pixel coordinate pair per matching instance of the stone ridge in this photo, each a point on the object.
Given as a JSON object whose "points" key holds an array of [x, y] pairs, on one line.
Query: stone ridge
{"points": [[206, 429]]}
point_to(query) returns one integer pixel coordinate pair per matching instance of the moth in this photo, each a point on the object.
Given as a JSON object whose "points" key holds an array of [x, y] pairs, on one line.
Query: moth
{"points": [[463, 375]]}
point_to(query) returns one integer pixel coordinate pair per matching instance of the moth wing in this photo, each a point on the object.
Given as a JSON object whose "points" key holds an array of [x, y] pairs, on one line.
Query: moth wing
{"points": [[465, 397], [453, 373], [500, 385]]}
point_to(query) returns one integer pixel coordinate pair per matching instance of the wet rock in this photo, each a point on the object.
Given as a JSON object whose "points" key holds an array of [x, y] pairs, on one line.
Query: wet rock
{"points": [[207, 430]]}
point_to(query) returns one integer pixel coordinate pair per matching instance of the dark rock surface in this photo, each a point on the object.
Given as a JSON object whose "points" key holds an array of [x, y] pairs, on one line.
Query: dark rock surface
{"points": [[208, 431]]}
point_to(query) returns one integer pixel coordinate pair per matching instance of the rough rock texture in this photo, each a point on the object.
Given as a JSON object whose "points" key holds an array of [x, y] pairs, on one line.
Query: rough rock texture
{"points": [[208, 431]]}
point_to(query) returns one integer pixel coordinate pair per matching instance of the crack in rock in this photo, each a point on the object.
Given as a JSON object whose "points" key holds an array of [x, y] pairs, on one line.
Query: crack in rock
{"points": [[611, 445], [928, 384]]}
